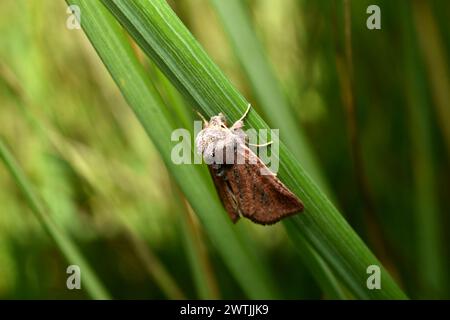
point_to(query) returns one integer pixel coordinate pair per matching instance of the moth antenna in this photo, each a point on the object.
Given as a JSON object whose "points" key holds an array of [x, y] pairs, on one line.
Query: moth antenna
{"points": [[246, 112], [240, 122], [205, 122]]}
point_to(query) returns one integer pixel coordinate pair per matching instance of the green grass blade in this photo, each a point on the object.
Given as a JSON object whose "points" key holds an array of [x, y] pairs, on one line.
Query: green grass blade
{"points": [[191, 234], [428, 221], [166, 40], [196, 250], [85, 168], [116, 53], [436, 61], [317, 266], [267, 88], [89, 280], [250, 53]]}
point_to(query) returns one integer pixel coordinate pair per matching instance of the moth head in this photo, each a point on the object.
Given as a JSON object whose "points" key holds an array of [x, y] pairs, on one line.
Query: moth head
{"points": [[214, 135], [218, 121]]}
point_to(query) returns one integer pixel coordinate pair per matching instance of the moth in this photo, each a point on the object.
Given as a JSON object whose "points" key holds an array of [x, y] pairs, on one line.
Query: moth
{"points": [[244, 184]]}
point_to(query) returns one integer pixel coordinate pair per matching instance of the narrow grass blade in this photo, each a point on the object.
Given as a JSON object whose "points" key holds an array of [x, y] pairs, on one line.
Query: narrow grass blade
{"points": [[89, 280], [197, 254], [428, 221], [166, 40], [436, 62], [116, 53]]}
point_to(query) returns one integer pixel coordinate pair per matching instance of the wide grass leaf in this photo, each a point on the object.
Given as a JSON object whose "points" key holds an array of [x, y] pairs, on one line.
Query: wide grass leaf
{"points": [[116, 52]]}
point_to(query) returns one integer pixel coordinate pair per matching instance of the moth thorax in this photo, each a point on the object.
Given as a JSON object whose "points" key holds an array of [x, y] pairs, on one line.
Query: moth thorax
{"points": [[208, 137], [218, 121], [217, 146]]}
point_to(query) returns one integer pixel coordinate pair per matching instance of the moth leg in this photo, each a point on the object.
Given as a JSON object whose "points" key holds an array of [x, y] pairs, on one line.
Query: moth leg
{"points": [[261, 145], [236, 212], [240, 123], [220, 171]]}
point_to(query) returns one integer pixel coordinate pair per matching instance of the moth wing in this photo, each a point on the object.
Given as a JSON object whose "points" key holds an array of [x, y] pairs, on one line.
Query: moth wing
{"points": [[225, 194], [262, 198]]}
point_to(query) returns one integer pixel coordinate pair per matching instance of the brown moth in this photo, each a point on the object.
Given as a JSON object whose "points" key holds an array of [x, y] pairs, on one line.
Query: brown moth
{"points": [[244, 183]]}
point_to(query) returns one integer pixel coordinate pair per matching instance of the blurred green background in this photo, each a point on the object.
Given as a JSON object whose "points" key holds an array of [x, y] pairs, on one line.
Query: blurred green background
{"points": [[378, 123]]}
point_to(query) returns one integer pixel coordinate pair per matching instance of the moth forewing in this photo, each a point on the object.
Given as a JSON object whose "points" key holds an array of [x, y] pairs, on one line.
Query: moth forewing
{"points": [[262, 197]]}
